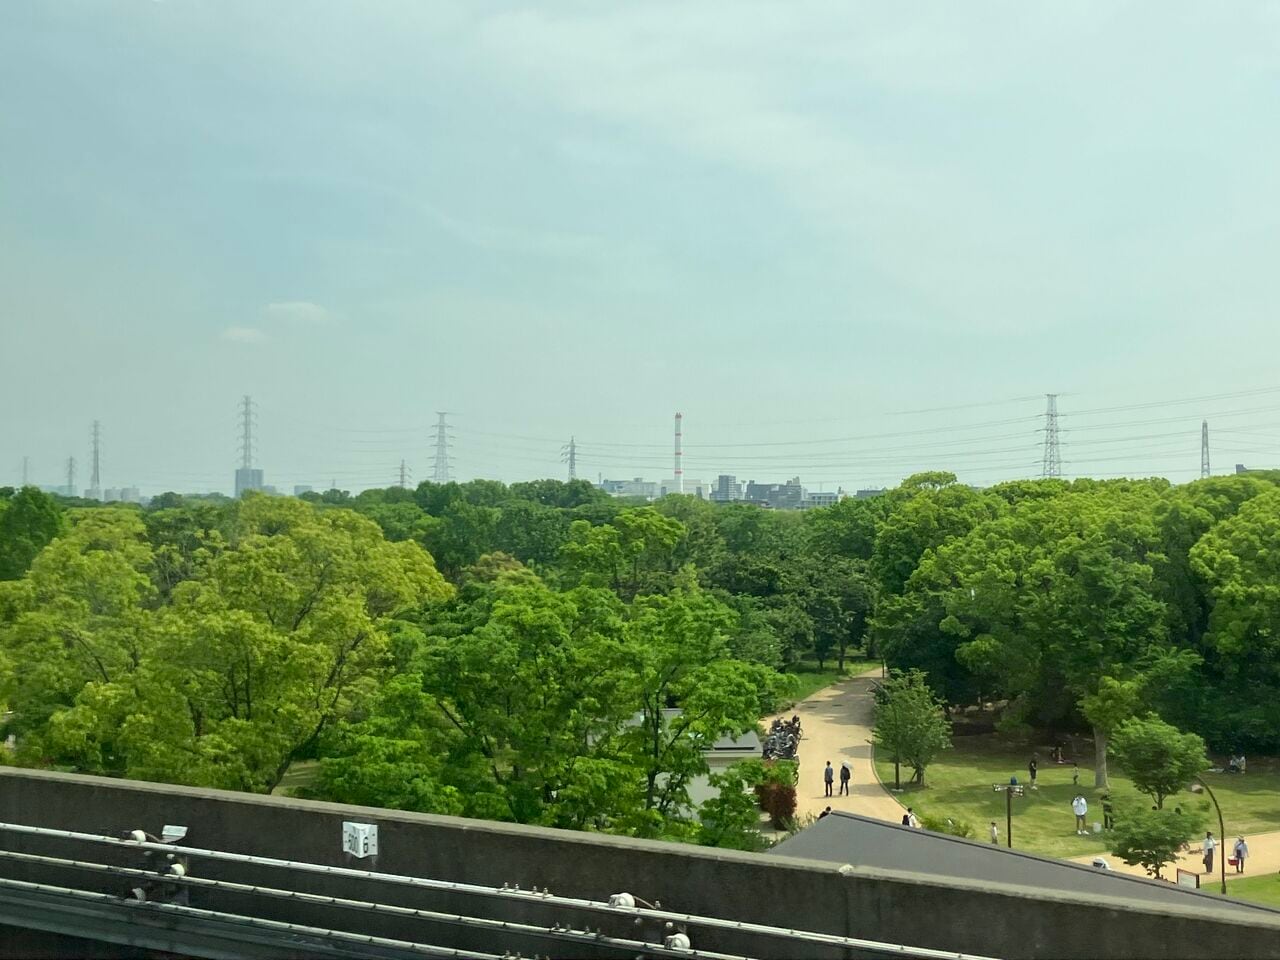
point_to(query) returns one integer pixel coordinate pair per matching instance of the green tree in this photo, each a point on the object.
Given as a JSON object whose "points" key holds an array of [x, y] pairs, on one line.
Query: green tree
{"points": [[267, 644], [679, 647], [732, 817], [1159, 758], [1239, 570], [631, 555], [29, 520], [1152, 838], [910, 725]]}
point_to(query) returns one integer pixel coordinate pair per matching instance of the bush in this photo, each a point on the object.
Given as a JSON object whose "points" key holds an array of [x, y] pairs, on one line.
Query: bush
{"points": [[778, 800], [949, 825]]}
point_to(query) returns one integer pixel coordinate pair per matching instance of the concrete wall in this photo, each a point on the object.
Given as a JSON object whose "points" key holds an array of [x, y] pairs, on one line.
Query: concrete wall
{"points": [[899, 907]]}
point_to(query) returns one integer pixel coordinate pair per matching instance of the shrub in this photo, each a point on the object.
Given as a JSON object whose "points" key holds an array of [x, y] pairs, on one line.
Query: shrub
{"points": [[950, 825]]}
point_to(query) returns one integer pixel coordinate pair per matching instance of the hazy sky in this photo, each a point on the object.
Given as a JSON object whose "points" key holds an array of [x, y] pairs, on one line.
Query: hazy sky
{"points": [[796, 222]]}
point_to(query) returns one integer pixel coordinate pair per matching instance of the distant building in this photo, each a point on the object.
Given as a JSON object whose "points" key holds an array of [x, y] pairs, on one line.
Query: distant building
{"points": [[130, 494], [813, 499], [93, 493], [776, 496], [247, 478], [727, 489], [1241, 468], [692, 488], [869, 493], [300, 488], [111, 495], [643, 489]]}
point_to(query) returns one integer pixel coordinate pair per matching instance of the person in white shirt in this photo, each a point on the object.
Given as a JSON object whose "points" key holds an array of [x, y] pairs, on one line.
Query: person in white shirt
{"points": [[995, 832], [1080, 807], [1241, 852], [1210, 845]]}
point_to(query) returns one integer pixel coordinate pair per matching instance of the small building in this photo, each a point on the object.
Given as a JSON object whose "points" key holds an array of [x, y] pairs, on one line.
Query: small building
{"points": [[813, 499], [637, 488], [247, 478], [727, 489]]}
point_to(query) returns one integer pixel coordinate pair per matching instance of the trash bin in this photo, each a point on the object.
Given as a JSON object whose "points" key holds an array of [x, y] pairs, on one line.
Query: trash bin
{"points": [[1097, 827]]}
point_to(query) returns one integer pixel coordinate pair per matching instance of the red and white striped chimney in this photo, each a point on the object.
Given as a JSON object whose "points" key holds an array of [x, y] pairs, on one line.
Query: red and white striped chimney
{"points": [[679, 455]]}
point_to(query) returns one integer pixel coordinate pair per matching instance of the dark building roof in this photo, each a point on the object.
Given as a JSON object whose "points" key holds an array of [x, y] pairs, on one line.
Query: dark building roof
{"points": [[862, 841]]}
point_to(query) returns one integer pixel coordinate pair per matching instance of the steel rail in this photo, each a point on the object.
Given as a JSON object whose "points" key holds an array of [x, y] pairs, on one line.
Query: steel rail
{"points": [[557, 933], [544, 896], [426, 950]]}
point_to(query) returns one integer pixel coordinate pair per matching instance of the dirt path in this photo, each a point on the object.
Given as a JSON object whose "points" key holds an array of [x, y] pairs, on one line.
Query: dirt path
{"points": [[1264, 858], [836, 726]]}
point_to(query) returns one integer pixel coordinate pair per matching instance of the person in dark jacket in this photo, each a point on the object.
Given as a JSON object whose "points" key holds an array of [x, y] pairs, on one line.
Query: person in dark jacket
{"points": [[845, 776]]}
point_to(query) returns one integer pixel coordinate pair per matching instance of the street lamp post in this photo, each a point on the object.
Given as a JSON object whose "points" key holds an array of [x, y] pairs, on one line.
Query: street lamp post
{"points": [[1222, 835], [1011, 789]]}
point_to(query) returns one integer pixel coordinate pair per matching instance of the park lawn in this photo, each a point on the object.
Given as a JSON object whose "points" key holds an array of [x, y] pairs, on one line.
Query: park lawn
{"points": [[301, 773], [807, 679], [959, 786], [1263, 889]]}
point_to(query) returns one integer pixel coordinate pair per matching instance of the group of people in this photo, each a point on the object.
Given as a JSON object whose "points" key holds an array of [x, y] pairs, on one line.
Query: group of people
{"points": [[1236, 764], [829, 778], [1239, 852]]}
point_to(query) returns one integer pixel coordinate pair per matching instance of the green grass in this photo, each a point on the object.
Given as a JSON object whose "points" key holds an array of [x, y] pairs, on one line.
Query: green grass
{"points": [[959, 786], [807, 679], [301, 773], [1264, 889]]}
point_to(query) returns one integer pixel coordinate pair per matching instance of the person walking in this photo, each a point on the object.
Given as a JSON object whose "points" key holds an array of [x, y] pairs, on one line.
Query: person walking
{"points": [[1032, 767], [824, 813], [909, 819], [1241, 850], [1210, 845], [1080, 807], [995, 833], [828, 777], [1108, 814], [845, 775], [1075, 774]]}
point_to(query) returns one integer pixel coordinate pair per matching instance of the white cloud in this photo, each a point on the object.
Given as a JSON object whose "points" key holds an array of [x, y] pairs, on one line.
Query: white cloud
{"points": [[297, 312], [243, 335]]}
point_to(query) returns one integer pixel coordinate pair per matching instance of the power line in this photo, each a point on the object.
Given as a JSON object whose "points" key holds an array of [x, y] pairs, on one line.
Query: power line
{"points": [[569, 455], [1052, 461], [1204, 449], [440, 470], [246, 432], [95, 481]]}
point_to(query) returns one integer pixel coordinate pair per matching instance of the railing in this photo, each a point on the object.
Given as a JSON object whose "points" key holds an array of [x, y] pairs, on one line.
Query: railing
{"points": [[673, 940]]}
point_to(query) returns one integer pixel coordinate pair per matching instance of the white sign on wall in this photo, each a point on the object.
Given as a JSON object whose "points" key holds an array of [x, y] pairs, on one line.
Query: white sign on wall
{"points": [[360, 839]]}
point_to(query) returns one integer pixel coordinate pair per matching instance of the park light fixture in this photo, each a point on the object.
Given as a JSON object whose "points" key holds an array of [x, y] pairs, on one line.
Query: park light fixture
{"points": [[1011, 789]]}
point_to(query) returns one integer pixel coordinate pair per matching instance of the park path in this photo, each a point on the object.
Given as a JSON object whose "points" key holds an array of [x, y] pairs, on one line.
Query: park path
{"points": [[835, 725], [1264, 858]]}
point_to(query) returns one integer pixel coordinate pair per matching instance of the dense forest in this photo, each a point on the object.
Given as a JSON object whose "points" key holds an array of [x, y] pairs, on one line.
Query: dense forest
{"points": [[543, 653]]}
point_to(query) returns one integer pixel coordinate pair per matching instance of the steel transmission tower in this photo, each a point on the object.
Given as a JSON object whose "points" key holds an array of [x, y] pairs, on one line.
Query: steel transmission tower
{"points": [[246, 432], [440, 469], [26, 462], [404, 475], [1204, 449], [71, 476], [95, 479], [569, 455], [1052, 466]]}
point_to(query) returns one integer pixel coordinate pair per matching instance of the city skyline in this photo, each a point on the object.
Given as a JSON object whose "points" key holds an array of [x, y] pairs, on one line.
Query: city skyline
{"points": [[792, 223], [1109, 442]]}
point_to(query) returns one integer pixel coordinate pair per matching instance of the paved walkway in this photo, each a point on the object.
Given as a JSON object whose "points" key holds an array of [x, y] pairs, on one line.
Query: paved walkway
{"points": [[835, 725], [1264, 858]]}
